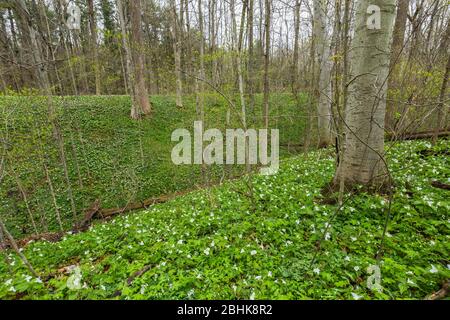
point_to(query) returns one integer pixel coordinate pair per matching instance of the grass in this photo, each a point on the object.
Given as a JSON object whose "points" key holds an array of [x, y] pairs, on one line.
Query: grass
{"points": [[220, 244]]}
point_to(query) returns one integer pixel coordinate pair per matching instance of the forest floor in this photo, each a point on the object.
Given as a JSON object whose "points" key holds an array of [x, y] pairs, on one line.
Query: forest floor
{"points": [[281, 243], [109, 156]]}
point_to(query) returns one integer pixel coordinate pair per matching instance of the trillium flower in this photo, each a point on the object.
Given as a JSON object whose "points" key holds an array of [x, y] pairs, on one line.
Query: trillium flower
{"points": [[206, 251], [433, 269], [253, 252], [316, 271], [269, 274], [356, 296], [252, 296], [8, 282], [409, 281], [347, 258], [353, 239], [356, 268], [12, 289]]}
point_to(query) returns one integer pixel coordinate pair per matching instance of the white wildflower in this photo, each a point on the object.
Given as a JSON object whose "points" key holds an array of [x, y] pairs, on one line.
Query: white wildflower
{"points": [[433, 269], [356, 296]]}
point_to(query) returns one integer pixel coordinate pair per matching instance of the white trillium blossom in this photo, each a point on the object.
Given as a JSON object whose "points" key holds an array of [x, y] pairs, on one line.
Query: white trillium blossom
{"points": [[433, 269], [356, 296], [206, 251], [253, 252], [316, 270]]}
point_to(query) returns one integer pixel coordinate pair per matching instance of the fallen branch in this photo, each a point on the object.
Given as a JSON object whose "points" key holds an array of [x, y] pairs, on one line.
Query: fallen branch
{"points": [[133, 277], [440, 185], [441, 294], [418, 135]]}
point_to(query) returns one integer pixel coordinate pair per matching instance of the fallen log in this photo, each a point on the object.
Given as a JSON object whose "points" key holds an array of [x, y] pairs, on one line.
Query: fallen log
{"points": [[107, 213], [418, 135], [88, 215], [440, 185]]}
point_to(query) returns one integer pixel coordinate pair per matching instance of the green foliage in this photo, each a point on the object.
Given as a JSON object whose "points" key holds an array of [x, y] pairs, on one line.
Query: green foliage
{"points": [[103, 150], [216, 245]]}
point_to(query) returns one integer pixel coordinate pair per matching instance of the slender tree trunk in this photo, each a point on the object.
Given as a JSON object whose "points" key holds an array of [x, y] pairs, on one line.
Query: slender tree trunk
{"points": [[16, 249], [201, 71], [251, 55], [363, 160], [322, 56], [177, 53], [40, 66], [94, 46], [397, 48], [127, 51], [443, 108], [268, 14], [142, 104], [295, 63]]}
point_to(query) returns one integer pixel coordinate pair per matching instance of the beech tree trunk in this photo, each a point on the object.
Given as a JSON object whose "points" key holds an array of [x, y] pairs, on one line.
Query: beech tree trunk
{"points": [[363, 161]]}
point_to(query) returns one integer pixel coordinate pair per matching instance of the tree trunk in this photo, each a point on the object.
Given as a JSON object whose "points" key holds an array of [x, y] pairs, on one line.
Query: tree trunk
{"points": [[323, 87], [397, 48], [94, 46], [141, 105], [268, 14], [177, 53], [295, 62], [363, 160]]}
